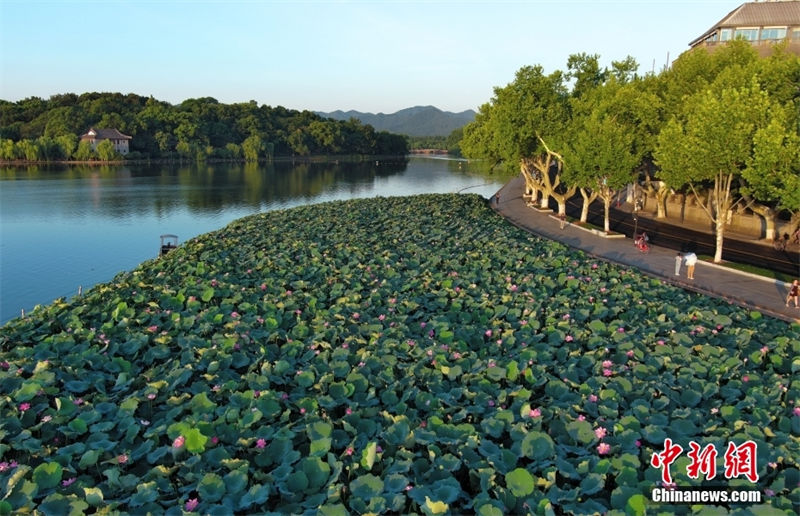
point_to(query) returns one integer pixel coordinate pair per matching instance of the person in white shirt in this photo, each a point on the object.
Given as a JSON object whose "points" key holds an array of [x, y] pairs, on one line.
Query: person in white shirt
{"points": [[690, 259]]}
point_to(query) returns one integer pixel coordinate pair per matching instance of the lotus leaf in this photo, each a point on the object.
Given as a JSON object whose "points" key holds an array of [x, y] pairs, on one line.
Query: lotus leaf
{"points": [[330, 359]]}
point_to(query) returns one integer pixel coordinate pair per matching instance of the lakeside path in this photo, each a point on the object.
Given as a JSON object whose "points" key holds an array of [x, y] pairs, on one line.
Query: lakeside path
{"points": [[765, 295]]}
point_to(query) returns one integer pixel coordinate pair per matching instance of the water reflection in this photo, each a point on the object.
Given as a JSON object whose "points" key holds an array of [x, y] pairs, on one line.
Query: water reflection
{"points": [[119, 192], [65, 227]]}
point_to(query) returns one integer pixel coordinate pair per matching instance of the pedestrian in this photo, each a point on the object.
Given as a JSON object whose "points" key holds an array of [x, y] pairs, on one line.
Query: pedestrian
{"points": [[678, 260], [562, 217], [796, 237], [691, 260], [794, 293]]}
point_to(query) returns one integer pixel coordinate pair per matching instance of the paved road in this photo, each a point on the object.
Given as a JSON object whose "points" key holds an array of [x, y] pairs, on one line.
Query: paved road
{"points": [[744, 289], [694, 237]]}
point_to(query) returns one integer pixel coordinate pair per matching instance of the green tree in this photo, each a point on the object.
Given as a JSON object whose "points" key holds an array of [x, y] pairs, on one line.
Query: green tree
{"points": [[84, 151], [67, 144], [602, 158], [524, 125], [714, 145], [8, 150], [29, 150], [105, 151], [252, 147], [584, 70]]}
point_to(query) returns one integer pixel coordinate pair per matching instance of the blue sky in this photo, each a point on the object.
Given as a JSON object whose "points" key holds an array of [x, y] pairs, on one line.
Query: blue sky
{"points": [[372, 56]]}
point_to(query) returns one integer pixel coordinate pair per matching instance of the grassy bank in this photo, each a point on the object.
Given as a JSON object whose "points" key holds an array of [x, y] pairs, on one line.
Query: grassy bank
{"points": [[395, 355]]}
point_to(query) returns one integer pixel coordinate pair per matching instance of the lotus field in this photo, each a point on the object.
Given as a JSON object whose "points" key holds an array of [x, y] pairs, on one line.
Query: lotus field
{"points": [[388, 355]]}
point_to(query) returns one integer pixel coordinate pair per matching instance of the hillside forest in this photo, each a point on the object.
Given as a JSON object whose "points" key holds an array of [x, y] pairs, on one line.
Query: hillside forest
{"points": [[721, 128], [35, 129]]}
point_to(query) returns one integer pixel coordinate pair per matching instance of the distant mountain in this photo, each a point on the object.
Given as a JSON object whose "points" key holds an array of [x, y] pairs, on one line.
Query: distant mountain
{"points": [[414, 121]]}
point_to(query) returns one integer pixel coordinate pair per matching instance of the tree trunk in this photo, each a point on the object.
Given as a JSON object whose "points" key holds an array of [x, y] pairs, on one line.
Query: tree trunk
{"points": [[588, 198], [606, 208], [661, 201], [722, 207], [720, 236]]}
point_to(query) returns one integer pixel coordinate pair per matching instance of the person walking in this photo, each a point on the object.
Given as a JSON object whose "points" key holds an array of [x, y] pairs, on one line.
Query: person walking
{"points": [[794, 293], [562, 217], [678, 260], [691, 260]]}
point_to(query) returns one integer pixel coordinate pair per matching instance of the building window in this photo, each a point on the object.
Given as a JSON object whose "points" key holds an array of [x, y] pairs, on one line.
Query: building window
{"points": [[773, 33], [796, 34], [746, 34], [725, 34]]}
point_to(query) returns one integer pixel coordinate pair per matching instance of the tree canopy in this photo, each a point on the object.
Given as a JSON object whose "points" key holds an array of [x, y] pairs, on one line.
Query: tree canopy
{"points": [[723, 127]]}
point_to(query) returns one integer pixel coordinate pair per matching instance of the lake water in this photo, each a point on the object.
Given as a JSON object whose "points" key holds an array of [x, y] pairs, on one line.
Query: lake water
{"points": [[62, 228]]}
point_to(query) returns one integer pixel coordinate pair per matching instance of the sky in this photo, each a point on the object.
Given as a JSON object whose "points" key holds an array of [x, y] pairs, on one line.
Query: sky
{"points": [[377, 56]]}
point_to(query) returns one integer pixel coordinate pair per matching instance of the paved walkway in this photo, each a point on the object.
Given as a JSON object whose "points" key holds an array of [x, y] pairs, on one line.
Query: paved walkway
{"points": [[748, 290]]}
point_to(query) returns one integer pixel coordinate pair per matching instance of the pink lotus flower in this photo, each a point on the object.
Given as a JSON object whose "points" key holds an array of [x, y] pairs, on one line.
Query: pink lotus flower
{"points": [[629, 353], [191, 504], [488, 333], [214, 440], [178, 442], [660, 342], [535, 412], [581, 417], [600, 432], [607, 363], [122, 458], [745, 378], [24, 406], [603, 448], [152, 329], [569, 338], [356, 316], [796, 411], [349, 451], [68, 482], [261, 443], [620, 330], [608, 372], [593, 398]]}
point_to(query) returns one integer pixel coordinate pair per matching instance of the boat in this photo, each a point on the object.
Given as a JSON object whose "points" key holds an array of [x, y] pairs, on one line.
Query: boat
{"points": [[168, 243]]}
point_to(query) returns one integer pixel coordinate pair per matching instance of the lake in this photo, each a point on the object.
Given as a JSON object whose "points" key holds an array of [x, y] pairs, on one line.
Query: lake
{"points": [[68, 227]]}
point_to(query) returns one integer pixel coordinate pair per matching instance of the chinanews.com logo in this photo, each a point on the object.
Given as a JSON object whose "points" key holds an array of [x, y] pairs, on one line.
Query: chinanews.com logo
{"points": [[739, 461]]}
